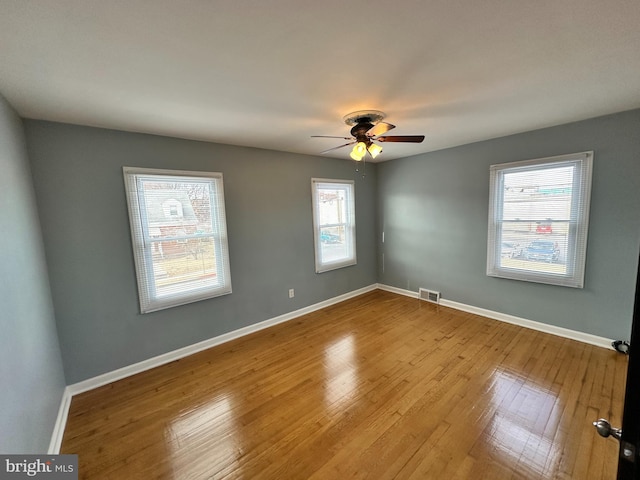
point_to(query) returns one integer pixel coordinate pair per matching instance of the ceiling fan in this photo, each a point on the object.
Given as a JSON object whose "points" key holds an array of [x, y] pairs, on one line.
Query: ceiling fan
{"points": [[367, 128]]}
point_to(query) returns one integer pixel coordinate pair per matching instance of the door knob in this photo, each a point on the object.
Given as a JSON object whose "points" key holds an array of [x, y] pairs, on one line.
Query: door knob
{"points": [[605, 429]]}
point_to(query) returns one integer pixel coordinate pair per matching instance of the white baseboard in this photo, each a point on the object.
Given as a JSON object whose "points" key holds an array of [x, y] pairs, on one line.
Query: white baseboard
{"points": [[399, 291], [522, 322], [61, 423]]}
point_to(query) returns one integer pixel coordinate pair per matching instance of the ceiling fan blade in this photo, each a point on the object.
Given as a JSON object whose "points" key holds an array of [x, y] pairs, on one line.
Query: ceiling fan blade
{"points": [[402, 138], [379, 129], [336, 148], [330, 136]]}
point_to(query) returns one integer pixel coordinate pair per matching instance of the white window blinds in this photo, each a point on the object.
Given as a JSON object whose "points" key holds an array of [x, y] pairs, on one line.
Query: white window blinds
{"points": [[538, 219], [179, 236]]}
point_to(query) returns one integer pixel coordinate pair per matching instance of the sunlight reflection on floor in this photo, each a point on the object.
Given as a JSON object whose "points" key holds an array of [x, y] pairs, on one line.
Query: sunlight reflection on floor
{"points": [[210, 426], [526, 420], [341, 370]]}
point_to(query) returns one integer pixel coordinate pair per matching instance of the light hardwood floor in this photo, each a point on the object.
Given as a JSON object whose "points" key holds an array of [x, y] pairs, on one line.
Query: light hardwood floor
{"points": [[380, 386]]}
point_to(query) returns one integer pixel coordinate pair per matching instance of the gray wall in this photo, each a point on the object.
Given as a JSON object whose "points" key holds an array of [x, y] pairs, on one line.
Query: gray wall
{"points": [[77, 174], [433, 209], [31, 372]]}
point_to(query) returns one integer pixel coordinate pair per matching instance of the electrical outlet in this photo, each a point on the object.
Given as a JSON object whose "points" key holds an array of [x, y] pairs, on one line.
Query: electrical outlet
{"points": [[292, 293]]}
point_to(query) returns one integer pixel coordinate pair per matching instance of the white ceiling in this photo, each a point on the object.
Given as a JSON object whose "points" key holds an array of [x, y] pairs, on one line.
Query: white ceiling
{"points": [[271, 73]]}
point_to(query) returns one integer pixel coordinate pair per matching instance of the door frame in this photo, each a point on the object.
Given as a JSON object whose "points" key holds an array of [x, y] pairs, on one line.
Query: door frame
{"points": [[628, 456]]}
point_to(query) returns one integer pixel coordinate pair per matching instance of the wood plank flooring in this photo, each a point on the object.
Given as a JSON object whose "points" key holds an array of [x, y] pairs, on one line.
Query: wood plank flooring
{"points": [[380, 386]]}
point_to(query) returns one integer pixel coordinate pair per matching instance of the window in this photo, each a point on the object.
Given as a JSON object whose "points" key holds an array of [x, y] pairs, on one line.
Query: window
{"points": [[334, 223], [179, 236], [538, 219], [172, 207]]}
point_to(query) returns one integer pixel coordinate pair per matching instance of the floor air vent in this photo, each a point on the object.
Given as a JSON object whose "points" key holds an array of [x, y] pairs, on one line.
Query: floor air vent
{"points": [[429, 295]]}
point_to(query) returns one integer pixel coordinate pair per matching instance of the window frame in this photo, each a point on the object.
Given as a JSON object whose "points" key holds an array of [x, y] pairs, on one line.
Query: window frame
{"points": [[578, 222], [349, 224], [143, 241]]}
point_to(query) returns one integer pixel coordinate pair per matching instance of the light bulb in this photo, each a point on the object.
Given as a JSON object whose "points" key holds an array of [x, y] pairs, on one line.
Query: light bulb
{"points": [[359, 151], [355, 156], [375, 150]]}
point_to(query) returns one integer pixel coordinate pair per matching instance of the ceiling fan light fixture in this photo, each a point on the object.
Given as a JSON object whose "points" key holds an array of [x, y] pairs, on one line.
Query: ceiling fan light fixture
{"points": [[359, 151], [355, 156], [367, 127], [374, 150]]}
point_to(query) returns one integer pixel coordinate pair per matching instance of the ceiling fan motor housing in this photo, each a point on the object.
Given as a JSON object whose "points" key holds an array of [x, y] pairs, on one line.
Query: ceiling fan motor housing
{"points": [[360, 131]]}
